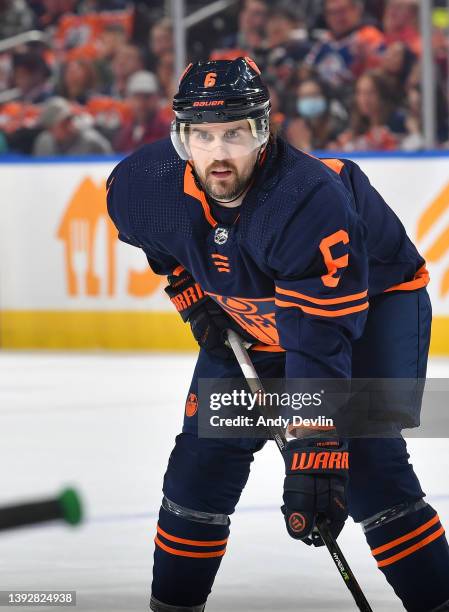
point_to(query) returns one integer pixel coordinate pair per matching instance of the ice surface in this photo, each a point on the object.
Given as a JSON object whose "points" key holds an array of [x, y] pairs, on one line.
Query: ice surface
{"points": [[106, 424]]}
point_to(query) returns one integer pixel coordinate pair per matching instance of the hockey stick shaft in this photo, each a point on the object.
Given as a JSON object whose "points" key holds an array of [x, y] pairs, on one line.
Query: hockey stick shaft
{"points": [[256, 387]]}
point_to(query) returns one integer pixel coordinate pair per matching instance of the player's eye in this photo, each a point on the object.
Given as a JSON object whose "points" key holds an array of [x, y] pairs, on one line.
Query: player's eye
{"points": [[204, 136], [232, 134]]}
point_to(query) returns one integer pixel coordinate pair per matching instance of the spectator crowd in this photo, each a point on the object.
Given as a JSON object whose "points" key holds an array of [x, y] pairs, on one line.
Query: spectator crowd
{"points": [[344, 75]]}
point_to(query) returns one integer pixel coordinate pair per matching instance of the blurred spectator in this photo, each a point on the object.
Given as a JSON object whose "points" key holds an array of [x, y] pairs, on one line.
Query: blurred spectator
{"points": [[252, 22], [280, 28], [397, 64], [108, 114], [19, 125], [54, 10], [375, 124], [113, 37], [298, 133], [414, 77], [401, 24], [78, 80], [319, 121], [63, 135], [165, 70], [81, 35], [318, 76], [3, 143], [88, 6], [160, 42], [376, 8], [414, 139], [440, 45], [31, 76], [285, 43], [147, 123], [15, 17], [349, 48], [22, 140], [277, 117], [414, 83], [127, 61]]}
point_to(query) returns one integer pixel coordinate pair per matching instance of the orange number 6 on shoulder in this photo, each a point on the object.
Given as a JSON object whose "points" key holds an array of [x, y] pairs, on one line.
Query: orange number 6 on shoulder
{"points": [[332, 265]]}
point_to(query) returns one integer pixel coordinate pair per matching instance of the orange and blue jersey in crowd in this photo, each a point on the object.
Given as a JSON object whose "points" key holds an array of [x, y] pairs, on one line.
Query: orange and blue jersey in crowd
{"points": [[340, 60], [295, 265]]}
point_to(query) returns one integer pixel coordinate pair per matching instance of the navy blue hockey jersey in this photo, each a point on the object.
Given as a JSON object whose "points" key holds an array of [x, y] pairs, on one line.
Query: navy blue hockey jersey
{"points": [[312, 242]]}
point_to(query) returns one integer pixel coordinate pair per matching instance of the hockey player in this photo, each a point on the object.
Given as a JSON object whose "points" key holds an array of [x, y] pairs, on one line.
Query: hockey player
{"points": [[305, 259]]}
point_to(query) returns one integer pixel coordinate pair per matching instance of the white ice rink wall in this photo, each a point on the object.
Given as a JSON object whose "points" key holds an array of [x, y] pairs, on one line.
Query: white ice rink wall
{"points": [[67, 282]]}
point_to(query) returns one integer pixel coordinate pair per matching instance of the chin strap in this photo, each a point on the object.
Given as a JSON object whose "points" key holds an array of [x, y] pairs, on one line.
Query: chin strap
{"points": [[236, 198]]}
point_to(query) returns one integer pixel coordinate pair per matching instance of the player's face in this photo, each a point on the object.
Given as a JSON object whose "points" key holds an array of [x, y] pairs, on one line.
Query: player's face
{"points": [[224, 155]]}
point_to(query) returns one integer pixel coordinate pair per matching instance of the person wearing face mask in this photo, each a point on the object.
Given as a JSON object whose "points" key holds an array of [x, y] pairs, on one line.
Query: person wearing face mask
{"points": [[319, 120]]}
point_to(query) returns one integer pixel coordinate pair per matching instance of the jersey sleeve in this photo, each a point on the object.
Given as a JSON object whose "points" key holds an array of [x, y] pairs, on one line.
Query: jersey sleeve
{"points": [[159, 260], [321, 279]]}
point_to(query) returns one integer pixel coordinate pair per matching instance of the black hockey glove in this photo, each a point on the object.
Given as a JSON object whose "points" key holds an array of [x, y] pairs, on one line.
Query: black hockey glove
{"points": [[315, 485], [207, 320]]}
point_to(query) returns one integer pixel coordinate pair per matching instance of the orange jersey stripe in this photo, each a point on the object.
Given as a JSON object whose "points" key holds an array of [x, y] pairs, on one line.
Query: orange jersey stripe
{"points": [[167, 536], [421, 280], [191, 189], [269, 348], [217, 256], [224, 270], [334, 164], [183, 553], [411, 549], [323, 313], [406, 537], [314, 428], [177, 271], [324, 301], [216, 295]]}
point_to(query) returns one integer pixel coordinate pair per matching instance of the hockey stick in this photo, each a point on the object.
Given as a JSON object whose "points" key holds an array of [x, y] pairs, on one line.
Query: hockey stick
{"points": [[66, 507], [278, 435]]}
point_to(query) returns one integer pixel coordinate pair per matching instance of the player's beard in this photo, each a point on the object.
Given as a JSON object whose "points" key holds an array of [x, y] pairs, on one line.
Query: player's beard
{"points": [[229, 189]]}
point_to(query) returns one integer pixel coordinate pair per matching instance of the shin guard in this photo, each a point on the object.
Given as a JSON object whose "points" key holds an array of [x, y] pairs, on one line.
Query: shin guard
{"points": [[411, 550], [188, 553]]}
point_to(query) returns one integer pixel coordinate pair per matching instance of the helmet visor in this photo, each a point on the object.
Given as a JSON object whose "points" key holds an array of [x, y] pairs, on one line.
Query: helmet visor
{"points": [[217, 141]]}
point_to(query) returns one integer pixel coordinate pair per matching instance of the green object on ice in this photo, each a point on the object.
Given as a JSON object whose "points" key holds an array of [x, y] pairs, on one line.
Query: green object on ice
{"points": [[72, 511]]}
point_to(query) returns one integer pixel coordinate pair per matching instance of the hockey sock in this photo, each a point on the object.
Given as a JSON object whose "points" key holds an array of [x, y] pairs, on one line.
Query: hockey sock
{"points": [[187, 556], [412, 552]]}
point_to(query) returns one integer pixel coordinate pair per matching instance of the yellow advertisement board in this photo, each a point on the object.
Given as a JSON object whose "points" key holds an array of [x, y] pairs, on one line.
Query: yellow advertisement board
{"points": [[66, 282]]}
